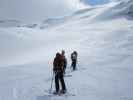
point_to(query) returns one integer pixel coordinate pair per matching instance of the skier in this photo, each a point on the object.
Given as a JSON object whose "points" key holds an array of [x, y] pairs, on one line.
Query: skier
{"points": [[59, 76], [74, 60], [64, 61]]}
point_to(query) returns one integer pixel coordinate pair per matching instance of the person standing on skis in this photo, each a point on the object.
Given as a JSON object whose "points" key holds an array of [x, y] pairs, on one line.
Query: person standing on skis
{"points": [[74, 60], [64, 61], [59, 76]]}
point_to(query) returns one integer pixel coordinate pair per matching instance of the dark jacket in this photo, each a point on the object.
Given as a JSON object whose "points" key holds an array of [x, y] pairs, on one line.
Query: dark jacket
{"points": [[74, 56], [58, 64]]}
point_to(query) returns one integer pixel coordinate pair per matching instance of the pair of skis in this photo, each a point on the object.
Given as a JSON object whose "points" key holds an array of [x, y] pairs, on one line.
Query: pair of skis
{"points": [[50, 93], [59, 94]]}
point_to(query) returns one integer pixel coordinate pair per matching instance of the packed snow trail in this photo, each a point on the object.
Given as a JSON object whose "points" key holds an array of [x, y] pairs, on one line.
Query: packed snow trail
{"points": [[104, 59]]}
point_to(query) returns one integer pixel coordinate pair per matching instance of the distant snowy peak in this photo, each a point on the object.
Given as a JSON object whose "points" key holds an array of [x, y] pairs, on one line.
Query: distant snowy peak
{"points": [[121, 8], [116, 9], [10, 23], [130, 7], [47, 23], [52, 22], [34, 25], [125, 7], [83, 11]]}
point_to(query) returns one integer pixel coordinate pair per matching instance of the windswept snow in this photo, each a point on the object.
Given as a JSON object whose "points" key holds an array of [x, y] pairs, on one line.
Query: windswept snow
{"points": [[104, 44]]}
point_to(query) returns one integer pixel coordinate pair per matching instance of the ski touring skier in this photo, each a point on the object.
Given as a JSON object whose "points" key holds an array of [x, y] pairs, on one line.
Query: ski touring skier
{"points": [[74, 60], [64, 61], [59, 76]]}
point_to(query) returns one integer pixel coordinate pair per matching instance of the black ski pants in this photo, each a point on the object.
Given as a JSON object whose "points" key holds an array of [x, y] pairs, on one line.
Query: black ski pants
{"points": [[59, 78], [74, 64]]}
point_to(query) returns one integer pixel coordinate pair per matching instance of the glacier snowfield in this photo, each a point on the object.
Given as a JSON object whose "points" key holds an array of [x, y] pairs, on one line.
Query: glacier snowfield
{"points": [[103, 37]]}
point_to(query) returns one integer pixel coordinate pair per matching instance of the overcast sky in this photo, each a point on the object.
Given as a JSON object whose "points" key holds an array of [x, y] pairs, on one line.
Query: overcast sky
{"points": [[34, 10]]}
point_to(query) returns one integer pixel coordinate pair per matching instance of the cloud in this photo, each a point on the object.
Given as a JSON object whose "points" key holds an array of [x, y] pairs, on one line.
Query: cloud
{"points": [[76, 4], [117, 0], [29, 10]]}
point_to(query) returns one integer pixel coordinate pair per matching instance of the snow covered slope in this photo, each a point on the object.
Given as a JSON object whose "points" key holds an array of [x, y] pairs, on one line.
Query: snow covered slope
{"points": [[103, 38]]}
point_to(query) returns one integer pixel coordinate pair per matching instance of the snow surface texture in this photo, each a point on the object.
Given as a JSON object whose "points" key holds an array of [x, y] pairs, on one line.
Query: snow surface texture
{"points": [[103, 38]]}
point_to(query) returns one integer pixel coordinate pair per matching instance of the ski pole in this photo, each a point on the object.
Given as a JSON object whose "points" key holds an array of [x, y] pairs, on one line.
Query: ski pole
{"points": [[52, 82]]}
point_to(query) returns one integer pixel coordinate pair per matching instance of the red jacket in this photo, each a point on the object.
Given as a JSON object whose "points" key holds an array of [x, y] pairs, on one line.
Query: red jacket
{"points": [[58, 64]]}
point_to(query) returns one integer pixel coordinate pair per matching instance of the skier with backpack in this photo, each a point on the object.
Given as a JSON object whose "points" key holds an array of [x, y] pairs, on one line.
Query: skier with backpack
{"points": [[58, 70], [74, 60]]}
